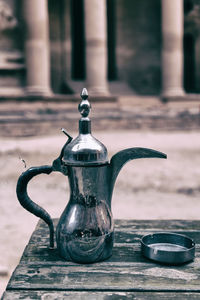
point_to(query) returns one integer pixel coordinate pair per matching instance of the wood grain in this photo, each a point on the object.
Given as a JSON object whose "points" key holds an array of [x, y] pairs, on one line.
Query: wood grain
{"points": [[60, 295], [42, 274]]}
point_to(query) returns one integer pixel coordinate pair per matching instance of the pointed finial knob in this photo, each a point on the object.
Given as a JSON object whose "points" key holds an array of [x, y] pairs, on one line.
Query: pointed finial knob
{"points": [[84, 107], [84, 94]]}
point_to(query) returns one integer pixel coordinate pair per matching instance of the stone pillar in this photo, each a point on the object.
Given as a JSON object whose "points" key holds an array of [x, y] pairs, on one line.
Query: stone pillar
{"points": [[66, 45], [197, 63], [172, 48], [35, 13], [96, 46]]}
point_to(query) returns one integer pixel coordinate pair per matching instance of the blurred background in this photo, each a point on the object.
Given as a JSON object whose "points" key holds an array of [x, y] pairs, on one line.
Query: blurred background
{"points": [[140, 61], [146, 47]]}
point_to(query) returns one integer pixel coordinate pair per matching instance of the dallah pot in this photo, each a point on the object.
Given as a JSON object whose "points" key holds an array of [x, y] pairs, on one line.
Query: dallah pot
{"points": [[85, 231]]}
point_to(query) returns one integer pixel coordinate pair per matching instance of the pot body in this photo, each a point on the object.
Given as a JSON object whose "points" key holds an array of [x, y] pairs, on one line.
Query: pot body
{"points": [[85, 230]]}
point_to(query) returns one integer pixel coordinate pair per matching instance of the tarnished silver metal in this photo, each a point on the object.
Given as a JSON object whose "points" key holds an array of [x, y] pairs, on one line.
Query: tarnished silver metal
{"points": [[85, 231], [168, 247], [85, 150]]}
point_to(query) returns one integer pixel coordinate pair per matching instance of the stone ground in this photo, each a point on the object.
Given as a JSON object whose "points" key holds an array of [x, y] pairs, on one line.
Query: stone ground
{"points": [[145, 189]]}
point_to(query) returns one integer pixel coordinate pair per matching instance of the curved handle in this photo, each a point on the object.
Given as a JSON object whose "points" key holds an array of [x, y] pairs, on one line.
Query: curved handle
{"points": [[28, 204]]}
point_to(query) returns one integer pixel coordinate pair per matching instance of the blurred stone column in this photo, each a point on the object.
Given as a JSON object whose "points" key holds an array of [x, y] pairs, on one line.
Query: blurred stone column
{"points": [[66, 45], [35, 14], [172, 48], [197, 62], [96, 46]]}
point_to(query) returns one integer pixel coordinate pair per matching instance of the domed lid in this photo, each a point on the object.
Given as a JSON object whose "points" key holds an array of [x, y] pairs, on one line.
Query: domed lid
{"points": [[85, 150]]}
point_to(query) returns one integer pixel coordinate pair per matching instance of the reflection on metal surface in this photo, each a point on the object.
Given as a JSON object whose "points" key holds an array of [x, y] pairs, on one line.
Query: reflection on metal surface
{"points": [[169, 248], [85, 231]]}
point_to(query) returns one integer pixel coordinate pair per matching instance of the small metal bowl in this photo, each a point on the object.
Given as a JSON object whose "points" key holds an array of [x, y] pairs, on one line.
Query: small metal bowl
{"points": [[168, 248]]}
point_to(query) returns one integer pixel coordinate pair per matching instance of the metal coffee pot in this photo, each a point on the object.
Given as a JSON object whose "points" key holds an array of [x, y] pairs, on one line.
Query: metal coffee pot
{"points": [[85, 231]]}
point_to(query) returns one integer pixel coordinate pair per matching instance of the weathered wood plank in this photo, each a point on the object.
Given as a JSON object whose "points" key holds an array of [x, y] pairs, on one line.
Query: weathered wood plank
{"points": [[124, 277], [42, 255], [59, 295], [42, 237], [131, 231], [121, 253], [157, 224]]}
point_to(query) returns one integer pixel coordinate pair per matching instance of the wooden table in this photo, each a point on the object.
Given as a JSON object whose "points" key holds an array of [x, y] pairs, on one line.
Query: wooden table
{"points": [[42, 274]]}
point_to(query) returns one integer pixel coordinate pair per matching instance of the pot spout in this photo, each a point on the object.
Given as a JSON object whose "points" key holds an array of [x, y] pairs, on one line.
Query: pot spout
{"points": [[121, 158]]}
